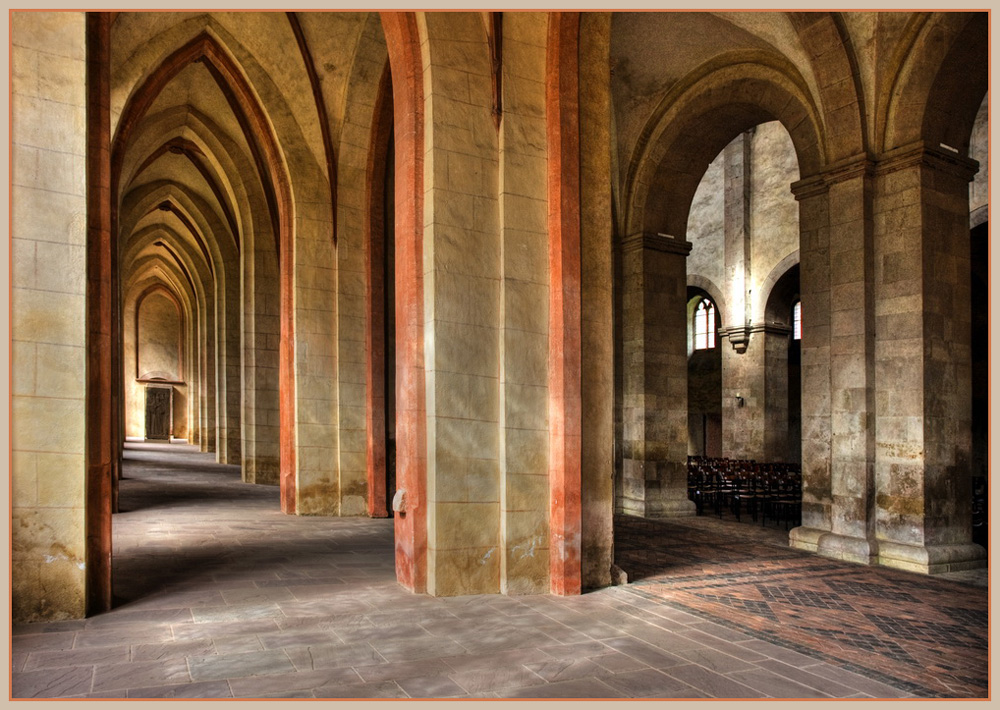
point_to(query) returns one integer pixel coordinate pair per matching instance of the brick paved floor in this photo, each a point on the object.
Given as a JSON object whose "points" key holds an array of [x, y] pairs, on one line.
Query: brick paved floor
{"points": [[928, 635], [219, 595]]}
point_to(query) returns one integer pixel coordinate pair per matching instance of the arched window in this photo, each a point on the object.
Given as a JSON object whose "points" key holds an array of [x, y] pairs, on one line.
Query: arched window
{"points": [[797, 321], [704, 325]]}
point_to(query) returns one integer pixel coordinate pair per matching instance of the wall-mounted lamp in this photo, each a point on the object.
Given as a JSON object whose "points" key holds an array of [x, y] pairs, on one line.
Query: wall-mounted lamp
{"points": [[739, 401]]}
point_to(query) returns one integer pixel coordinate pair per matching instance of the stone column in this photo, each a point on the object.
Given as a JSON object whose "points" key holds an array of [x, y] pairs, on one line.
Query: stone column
{"points": [[923, 362], [743, 362], [838, 383], [55, 573], [814, 289], [776, 388], [852, 381], [655, 363], [743, 393]]}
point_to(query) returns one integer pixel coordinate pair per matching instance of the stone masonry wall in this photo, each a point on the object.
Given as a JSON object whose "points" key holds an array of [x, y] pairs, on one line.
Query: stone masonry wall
{"points": [[48, 194]]}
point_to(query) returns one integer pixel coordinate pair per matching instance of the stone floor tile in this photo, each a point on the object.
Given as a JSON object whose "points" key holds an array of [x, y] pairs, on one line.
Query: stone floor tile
{"points": [[385, 689], [432, 686], [171, 599], [717, 630], [79, 657], [108, 694], [239, 665], [504, 640], [584, 649], [430, 647], [403, 669], [228, 645], [255, 595], [333, 656], [286, 639], [807, 677], [558, 670], [617, 662], [140, 675], [714, 684], [647, 653], [210, 689], [235, 613], [496, 679], [222, 629], [715, 660], [178, 649], [647, 683], [307, 681], [140, 617], [53, 682], [125, 635], [29, 643], [512, 658], [776, 685], [859, 683], [591, 688], [287, 694]]}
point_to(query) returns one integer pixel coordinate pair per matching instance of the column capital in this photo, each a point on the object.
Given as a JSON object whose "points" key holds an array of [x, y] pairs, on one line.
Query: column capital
{"points": [[923, 155], [858, 166], [915, 154], [656, 242]]}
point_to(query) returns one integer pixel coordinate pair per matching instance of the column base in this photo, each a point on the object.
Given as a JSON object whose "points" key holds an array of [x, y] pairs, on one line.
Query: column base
{"points": [[847, 548], [671, 508], [804, 538], [931, 559]]}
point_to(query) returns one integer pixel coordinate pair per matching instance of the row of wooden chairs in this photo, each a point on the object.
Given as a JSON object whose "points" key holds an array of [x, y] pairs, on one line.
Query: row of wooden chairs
{"points": [[980, 522], [771, 491]]}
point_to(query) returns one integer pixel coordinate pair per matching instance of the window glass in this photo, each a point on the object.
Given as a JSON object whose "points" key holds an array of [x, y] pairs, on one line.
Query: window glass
{"points": [[704, 326]]}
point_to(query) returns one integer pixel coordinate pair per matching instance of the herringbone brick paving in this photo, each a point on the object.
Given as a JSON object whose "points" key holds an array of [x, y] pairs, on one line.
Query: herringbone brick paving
{"points": [[929, 635]]}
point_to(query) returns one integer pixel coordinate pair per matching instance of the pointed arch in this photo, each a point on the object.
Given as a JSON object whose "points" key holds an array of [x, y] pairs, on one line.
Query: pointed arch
{"points": [[277, 192]]}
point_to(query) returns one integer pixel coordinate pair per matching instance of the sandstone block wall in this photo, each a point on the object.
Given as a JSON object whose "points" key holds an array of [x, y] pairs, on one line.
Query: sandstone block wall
{"points": [[48, 334]]}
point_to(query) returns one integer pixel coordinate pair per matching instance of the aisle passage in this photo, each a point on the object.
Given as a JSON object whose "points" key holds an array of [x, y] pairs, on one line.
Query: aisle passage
{"points": [[220, 595]]}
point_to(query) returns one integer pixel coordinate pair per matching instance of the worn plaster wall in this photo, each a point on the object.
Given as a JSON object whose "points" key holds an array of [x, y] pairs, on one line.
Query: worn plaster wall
{"points": [[48, 191]]}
